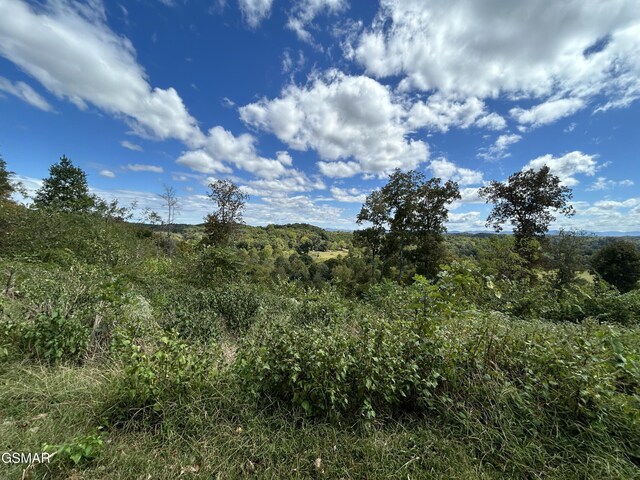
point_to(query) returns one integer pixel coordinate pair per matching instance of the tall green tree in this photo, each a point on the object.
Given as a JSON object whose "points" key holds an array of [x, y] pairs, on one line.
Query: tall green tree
{"points": [[376, 212], [409, 211], [527, 200], [66, 189], [431, 215], [230, 201], [619, 264]]}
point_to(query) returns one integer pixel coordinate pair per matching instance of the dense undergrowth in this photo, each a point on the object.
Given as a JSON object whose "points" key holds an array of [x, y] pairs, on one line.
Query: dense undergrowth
{"points": [[137, 365]]}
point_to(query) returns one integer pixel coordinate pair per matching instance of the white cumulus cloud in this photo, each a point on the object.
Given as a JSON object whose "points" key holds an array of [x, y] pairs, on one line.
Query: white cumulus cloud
{"points": [[562, 52], [447, 170], [201, 161], [304, 11], [350, 195], [351, 120], [566, 166], [441, 112]]}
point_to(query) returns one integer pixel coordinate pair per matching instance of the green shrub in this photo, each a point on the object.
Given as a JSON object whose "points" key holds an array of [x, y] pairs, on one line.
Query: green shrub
{"points": [[565, 371], [49, 333], [362, 370], [321, 307], [79, 450], [239, 306], [607, 305], [55, 336], [160, 378], [387, 297], [192, 313]]}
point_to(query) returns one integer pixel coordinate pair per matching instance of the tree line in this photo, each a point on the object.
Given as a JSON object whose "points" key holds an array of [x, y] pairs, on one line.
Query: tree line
{"points": [[404, 223]]}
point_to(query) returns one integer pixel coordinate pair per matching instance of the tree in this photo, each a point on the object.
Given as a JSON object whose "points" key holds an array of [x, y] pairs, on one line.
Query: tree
{"points": [[408, 210], [11, 213], [7, 186], [230, 202], [170, 201], [566, 256], [65, 190], [170, 198], [526, 199], [619, 264], [374, 211], [431, 215]]}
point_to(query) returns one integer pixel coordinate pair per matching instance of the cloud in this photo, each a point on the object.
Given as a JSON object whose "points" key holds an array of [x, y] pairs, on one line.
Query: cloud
{"points": [[608, 215], [441, 112], [131, 146], [25, 93], [467, 220], [110, 79], [498, 150], [547, 112], [602, 183], [107, 174], [138, 167], [222, 145], [566, 166], [447, 170], [221, 148], [489, 48], [614, 204], [305, 11], [351, 120], [294, 181], [339, 169], [470, 195], [284, 158], [255, 11], [296, 209], [351, 195], [201, 161]]}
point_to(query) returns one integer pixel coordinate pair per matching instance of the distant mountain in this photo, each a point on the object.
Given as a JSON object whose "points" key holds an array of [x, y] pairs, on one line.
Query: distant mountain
{"points": [[604, 234]]}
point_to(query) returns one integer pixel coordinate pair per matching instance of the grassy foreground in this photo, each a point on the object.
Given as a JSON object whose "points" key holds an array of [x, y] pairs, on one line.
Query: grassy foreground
{"points": [[483, 423], [166, 368]]}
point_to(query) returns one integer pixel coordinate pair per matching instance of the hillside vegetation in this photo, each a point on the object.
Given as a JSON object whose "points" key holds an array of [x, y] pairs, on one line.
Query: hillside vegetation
{"points": [[134, 353]]}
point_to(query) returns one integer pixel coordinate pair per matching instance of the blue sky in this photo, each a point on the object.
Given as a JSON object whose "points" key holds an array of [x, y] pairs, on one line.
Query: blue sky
{"points": [[308, 105]]}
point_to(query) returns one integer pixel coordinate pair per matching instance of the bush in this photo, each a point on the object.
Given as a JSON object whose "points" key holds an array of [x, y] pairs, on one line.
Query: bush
{"points": [[337, 370], [562, 370], [320, 307], [607, 305], [49, 333], [199, 313], [160, 378], [619, 264], [192, 313], [239, 306], [79, 450], [55, 336]]}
